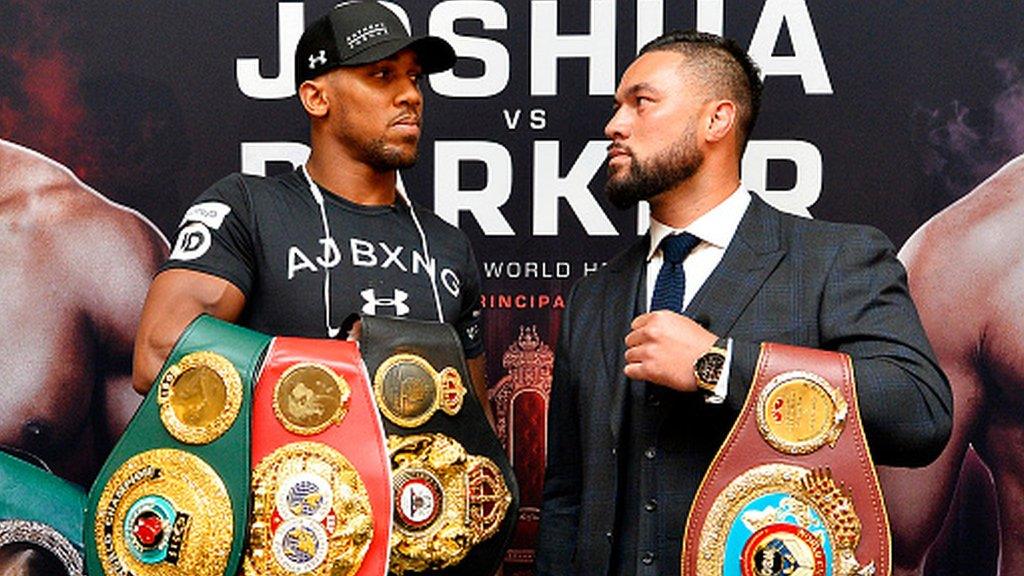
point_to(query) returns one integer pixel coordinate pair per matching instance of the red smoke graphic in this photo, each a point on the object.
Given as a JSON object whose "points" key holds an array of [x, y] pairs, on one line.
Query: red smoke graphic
{"points": [[40, 103]]}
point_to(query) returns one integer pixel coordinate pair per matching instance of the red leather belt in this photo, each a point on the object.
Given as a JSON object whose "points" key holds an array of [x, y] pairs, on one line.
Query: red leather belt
{"points": [[793, 489], [321, 478]]}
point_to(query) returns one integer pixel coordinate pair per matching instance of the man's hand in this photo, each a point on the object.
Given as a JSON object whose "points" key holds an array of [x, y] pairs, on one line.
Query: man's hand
{"points": [[662, 347]]}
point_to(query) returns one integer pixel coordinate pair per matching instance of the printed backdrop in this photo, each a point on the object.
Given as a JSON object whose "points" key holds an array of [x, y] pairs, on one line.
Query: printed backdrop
{"points": [[875, 112]]}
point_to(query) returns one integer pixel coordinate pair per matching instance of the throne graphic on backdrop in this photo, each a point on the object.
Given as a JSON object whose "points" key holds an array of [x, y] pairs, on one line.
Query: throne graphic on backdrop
{"points": [[520, 401]]}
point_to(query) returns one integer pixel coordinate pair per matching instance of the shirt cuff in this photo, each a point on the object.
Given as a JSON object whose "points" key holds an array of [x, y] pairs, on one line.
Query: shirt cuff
{"points": [[722, 387]]}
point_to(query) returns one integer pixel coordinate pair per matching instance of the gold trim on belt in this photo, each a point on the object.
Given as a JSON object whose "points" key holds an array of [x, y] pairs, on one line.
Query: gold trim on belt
{"points": [[200, 397], [409, 390], [311, 514], [799, 412], [164, 512], [309, 397], [785, 508], [446, 502]]}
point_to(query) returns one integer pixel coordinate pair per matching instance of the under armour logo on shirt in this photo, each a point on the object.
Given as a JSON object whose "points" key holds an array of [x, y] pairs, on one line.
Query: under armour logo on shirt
{"points": [[319, 59], [372, 302]]}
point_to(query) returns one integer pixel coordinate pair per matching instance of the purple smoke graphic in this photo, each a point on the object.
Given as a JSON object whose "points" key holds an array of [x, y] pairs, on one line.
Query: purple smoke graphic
{"points": [[964, 146]]}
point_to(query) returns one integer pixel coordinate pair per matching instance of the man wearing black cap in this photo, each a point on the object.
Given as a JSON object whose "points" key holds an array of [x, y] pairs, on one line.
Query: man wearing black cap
{"points": [[299, 254]]}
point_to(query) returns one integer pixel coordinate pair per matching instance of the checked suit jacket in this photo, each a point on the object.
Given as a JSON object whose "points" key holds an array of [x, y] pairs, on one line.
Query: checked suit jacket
{"points": [[782, 279]]}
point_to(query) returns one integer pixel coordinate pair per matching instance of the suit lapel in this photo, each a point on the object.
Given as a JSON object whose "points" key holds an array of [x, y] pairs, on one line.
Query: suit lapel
{"points": [[617, 313], [752, 254]]}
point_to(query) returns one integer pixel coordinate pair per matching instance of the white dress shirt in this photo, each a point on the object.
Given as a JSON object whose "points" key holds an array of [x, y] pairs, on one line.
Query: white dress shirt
{"points": [[715, 230]]}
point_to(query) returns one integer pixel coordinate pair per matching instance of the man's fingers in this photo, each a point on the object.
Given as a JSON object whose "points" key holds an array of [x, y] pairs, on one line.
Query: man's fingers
{"points": [[634, 339], [635, 354], [635, 371], [641, 320]]}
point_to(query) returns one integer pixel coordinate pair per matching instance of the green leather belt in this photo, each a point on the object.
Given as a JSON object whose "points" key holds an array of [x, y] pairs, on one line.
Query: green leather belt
{"points": [[42, 510], [173, 497]]}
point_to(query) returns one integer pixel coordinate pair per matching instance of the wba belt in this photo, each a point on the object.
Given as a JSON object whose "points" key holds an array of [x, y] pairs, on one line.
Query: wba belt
{"points": [[455, 498], [173, 496], [321, 482], [43, 510], [793, 490]]}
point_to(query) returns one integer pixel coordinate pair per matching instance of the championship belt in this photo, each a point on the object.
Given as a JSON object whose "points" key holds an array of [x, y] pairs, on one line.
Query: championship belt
{"points": [[793, 490], [39, 510], [173, 497], [321, 482], [455, 498]]}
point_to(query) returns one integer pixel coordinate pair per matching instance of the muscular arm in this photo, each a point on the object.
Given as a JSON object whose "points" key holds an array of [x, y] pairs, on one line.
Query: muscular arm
{"points": [[919, 499], [175, 298], [111, 256]]}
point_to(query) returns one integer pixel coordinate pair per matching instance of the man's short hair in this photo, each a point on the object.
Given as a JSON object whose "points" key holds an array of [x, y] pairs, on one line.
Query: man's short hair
{"points": [[723, 66]]}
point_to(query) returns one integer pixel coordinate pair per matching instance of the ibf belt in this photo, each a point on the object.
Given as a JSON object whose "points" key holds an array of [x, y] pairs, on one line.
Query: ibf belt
{"points": [[39, 509], [455, 496], [173, 496], [793, 490], [321, 482]]}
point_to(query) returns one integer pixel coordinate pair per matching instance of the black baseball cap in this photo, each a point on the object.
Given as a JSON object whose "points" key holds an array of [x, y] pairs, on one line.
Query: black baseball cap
{"points": [[360, 32]]}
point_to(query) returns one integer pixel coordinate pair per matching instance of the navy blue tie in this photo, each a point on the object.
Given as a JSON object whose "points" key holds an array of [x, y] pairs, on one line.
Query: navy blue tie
{"points": [[671, 283]]}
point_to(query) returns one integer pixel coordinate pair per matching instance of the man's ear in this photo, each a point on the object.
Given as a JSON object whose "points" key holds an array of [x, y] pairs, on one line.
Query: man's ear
{"points": [[722, 120], [314, 97]]}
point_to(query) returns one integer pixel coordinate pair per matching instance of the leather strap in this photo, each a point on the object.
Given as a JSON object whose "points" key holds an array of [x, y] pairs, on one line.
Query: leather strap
{"points": [[794, 483], [422, 386], [173, 496], [317, 436]]}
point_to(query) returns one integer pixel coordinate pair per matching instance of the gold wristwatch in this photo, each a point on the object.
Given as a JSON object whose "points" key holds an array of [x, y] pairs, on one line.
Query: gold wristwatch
{"points": [[707, 369]]}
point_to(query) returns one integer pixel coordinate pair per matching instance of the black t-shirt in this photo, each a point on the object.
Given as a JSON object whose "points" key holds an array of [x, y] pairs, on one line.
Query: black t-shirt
{"points": [[266, 236]]}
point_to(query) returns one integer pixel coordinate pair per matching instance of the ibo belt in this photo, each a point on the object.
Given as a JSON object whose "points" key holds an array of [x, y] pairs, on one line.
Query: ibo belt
{"points": [[172, 498], [793, 489]]}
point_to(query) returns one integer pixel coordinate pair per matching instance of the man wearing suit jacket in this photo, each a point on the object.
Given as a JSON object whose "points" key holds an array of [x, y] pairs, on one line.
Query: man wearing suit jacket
{"points": [[631, 428]]}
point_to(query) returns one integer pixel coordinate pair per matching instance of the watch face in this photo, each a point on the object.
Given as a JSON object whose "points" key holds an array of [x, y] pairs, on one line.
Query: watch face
{"points": [[709, 369]]}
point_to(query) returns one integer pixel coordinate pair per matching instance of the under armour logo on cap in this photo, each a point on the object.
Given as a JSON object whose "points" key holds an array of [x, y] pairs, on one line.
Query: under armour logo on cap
{"points": [[372, 302], [362, 32], [319, 59]]}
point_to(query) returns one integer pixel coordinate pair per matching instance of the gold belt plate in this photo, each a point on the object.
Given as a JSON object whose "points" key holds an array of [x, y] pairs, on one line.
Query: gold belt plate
{"points": [[782, 515], [164, 512], [311, 514], [798, 412], [309, 397], [200, 397], [446, 501], [409, 390]]}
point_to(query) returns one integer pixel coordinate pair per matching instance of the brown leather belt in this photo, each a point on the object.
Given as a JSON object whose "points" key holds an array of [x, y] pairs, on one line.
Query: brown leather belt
{"points": [[793, 488], [321, 479]]}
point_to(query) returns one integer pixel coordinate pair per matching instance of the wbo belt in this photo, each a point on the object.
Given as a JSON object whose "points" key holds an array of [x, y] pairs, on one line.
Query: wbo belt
{"points": [[40, 510], [455, 497], [173, 496], [321, 481], [793, 490]]}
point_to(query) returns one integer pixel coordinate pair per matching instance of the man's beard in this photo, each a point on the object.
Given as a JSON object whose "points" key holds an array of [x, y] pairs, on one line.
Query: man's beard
{"points": [[385, 157], [645, 180]]}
